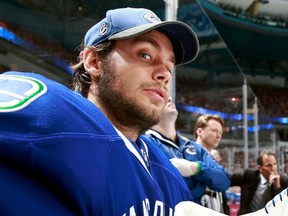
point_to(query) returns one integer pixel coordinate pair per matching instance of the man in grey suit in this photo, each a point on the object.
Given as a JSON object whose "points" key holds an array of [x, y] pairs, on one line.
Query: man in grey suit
{"points": [[261, 185]]}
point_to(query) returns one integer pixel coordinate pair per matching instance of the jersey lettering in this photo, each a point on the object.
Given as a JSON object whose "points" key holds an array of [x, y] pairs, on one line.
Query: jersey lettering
{"points": [[146, 207], [158, 210]]}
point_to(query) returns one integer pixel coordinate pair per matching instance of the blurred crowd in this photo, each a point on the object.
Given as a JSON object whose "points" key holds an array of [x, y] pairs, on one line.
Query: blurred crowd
{"points": [[51, 47], [259, 19], [190, 92], [272, 100]]}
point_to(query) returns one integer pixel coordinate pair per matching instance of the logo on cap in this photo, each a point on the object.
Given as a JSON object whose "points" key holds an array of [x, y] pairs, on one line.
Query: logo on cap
{"points": [[17, 92], [103, 29], [151, 17]]}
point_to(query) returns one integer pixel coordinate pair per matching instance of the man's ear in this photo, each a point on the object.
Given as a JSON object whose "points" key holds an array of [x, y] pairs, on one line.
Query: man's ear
{"points": [[91, 62], [198, 131]]}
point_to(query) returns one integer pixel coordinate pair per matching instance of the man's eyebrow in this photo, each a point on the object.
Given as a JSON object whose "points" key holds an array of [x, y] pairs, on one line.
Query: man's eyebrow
{"points": [[155, 44]]}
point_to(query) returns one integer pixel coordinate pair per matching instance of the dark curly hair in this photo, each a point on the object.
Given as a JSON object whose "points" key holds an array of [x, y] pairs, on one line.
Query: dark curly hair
{"points": [[81, 78]]}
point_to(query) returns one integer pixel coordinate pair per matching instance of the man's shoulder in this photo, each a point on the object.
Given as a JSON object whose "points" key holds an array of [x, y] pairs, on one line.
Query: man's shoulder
{"points": [[250, 175], [45, 106], [19, 90], [251, 171], [197, 147], [284, 180]]}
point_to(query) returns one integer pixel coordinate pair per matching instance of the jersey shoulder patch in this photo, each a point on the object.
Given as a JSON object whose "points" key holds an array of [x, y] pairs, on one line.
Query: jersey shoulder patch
{"points": [[17, 92]]}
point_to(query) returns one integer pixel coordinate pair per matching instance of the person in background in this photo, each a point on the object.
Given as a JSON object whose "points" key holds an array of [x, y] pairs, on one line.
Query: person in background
{"points": [[258, 186], [194, 163], [79, 152], [208, 130], [215, 154], [222, 196]]}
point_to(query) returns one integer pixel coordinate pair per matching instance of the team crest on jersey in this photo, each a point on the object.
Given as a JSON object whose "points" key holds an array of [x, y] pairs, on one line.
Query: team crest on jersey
{"points": [[190, 150], [17, 92]]}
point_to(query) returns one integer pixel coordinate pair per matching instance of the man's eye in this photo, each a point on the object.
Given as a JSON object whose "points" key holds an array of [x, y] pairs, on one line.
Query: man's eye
{"points": [[145, 56]]}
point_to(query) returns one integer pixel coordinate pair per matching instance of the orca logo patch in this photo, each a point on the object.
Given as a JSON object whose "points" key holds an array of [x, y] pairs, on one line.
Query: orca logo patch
{"points": [[17, 92]]}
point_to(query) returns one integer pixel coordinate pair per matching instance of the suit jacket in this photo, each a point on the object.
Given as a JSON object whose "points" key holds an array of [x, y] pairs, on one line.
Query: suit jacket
{"points": [[248, 181], [225, 205]]}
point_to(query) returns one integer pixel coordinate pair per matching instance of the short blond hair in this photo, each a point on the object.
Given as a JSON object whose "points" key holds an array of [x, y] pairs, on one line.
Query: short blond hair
{"points": [[202, 122]]}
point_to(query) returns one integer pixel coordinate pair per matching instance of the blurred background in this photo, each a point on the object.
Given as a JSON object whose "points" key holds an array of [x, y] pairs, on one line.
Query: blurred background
{"points": [[240, 74]]}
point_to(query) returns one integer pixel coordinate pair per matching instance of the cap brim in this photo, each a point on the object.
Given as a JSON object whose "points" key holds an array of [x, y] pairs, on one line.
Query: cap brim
{"points": [[183, 38]]}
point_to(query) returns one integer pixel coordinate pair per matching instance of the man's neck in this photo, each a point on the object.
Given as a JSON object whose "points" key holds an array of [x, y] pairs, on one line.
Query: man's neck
{"points": [[167, 130], [204, 146], [130, 133]]}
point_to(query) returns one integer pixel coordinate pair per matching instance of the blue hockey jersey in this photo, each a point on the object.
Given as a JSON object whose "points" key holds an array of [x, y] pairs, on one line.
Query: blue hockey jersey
{"points": [[60, 155], [211, 173]]}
